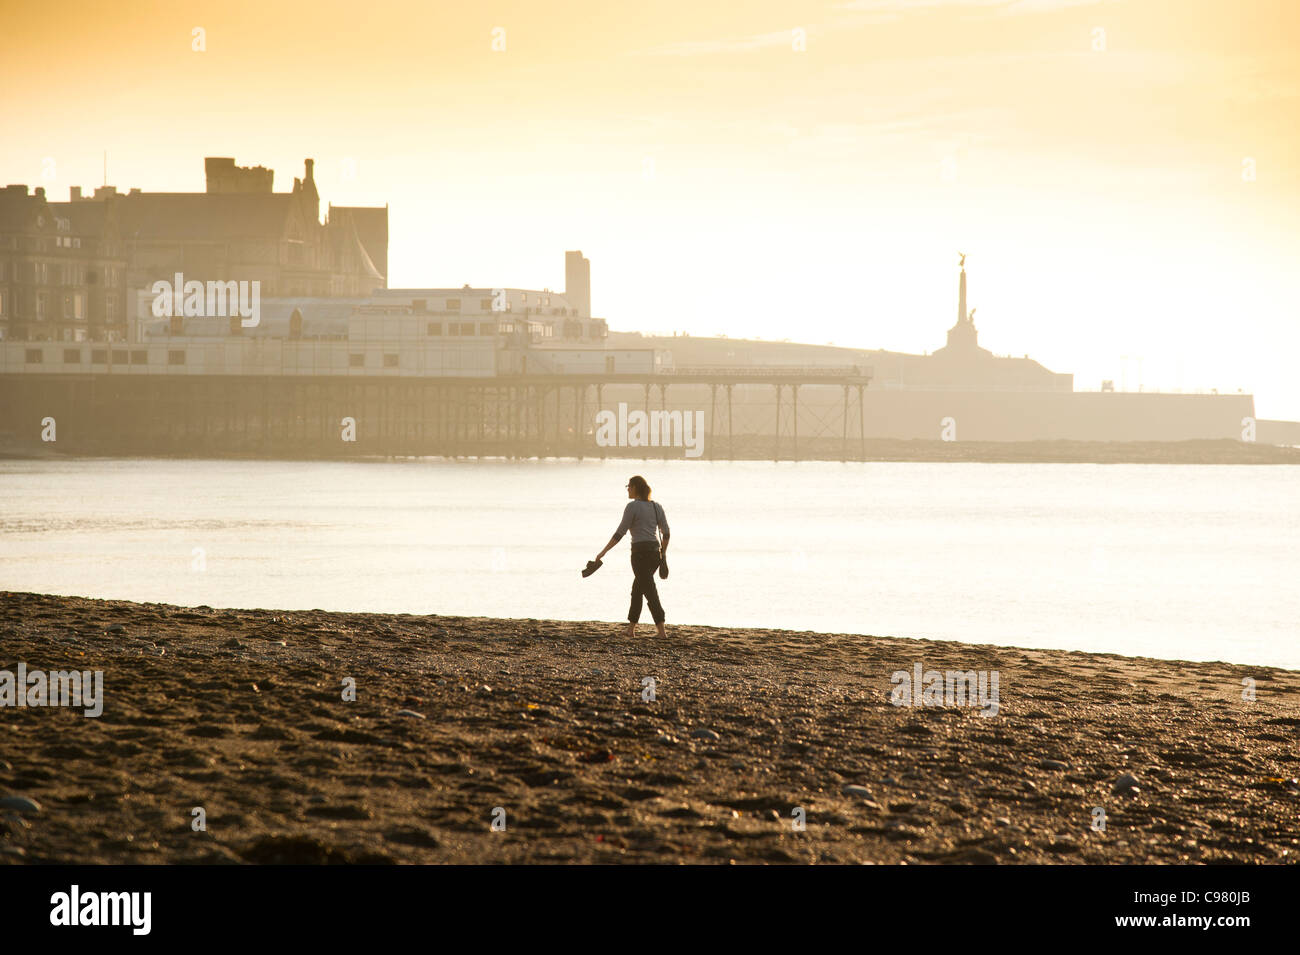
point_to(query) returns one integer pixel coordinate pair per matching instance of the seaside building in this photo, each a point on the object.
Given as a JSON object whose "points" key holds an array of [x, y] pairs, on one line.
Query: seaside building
{"points": [[62, 269], [240, 229], [69, 269], [421, 330]]}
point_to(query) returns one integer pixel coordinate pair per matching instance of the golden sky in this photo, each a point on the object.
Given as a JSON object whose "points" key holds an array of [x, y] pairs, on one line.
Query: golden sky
{"points": [[1124, 176]]}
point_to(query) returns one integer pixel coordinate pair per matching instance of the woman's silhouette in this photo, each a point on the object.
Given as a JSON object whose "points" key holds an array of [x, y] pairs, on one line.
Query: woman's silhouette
{"points": [[642, 516]]}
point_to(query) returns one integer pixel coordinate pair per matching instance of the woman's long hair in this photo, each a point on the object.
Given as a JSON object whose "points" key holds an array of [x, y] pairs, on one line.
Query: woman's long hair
{"points": [[639, 487]]}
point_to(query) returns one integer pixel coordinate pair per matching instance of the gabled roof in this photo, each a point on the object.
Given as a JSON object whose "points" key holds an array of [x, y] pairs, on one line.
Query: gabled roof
{"points": [[203, 215], [371, 224], [347, 242]]}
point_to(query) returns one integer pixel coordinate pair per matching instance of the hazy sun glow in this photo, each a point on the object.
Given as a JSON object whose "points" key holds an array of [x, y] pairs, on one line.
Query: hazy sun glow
{"points": [[1124, 176]]}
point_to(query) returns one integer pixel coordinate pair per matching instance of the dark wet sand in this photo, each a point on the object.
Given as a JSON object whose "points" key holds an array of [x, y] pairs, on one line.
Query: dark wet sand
{"points": [[241, 712]]}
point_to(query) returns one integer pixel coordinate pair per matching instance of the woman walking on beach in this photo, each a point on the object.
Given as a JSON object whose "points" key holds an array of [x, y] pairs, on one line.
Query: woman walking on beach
{"points": [[642, 516]]}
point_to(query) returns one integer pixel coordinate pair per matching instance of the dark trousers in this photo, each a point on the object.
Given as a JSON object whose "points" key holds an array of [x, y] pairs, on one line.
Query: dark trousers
{"points": [[644, 564]]}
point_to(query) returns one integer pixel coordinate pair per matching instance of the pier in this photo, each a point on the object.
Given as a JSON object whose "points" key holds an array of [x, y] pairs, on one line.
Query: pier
{"points": [[348, 415]]}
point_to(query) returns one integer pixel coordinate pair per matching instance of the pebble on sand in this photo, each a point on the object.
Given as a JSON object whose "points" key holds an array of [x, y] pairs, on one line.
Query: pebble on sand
{"points": [[412, 714], [1052, 764], [1128, 783], [20, 804], [862, 792], [703, 733]]}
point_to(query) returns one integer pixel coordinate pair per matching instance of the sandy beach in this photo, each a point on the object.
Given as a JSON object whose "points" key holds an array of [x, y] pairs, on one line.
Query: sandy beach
{"points": [[544, 726]]}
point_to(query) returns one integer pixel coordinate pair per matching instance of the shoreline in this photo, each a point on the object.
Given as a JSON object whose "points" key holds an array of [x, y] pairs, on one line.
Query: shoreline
{"points": [[241, 712], [1223, 451]]}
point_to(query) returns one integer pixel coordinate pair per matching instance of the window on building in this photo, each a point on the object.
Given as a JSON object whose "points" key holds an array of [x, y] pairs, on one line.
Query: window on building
{"points": [[34, 356], [487, 328], [139, 356], [119, 356], [357, 360], [420, 305], [99, 356], [453, 305], [390, 361], [435, 328], [485, 304], [176, 356], [72, 356]]}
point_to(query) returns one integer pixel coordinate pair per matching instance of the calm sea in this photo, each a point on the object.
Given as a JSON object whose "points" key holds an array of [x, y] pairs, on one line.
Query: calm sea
{"points": [[1183, 562]]}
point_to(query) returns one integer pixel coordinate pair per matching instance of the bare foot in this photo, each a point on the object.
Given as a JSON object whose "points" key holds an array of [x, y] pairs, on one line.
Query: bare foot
{"points": [[662, 631], [631, 630]]}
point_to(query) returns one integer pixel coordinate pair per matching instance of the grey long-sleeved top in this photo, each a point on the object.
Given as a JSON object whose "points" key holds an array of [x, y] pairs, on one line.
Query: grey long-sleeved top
{"points": [[641, 518]]}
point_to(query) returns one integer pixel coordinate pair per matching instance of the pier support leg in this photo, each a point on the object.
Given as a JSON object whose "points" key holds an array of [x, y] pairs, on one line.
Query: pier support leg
{"points": [[713, 417], [731, 431], [844, 437], [862, 428], [794, 390], [776, 438]]}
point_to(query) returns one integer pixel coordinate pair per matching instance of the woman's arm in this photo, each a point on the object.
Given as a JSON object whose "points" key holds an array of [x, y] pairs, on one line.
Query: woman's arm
{"points": [[663, 548], [612, 541], [618, 534]]}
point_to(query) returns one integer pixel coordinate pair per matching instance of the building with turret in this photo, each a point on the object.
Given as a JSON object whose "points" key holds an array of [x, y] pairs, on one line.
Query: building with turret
{"points": [[68, 269]]}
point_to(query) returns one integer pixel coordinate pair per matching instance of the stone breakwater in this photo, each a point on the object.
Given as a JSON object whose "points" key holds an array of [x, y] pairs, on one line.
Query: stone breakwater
{"points": [[311, 737]]}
